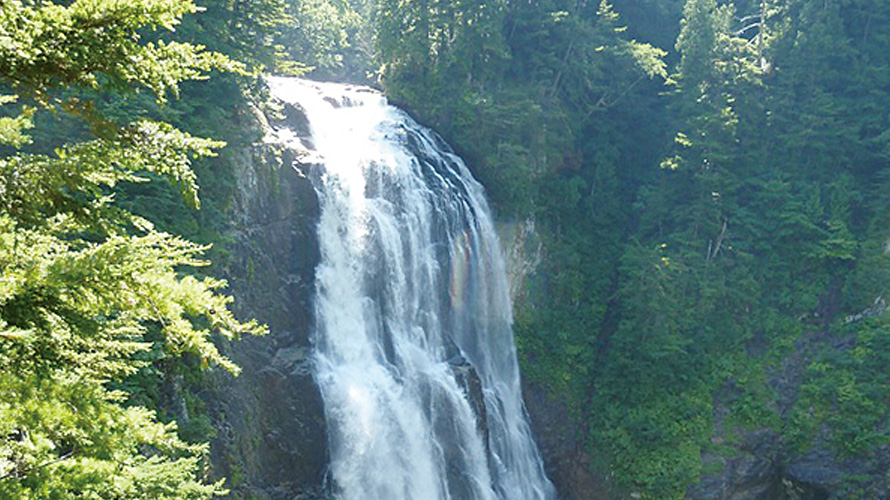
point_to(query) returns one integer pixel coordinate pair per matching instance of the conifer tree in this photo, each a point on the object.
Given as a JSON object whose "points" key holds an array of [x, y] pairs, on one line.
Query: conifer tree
{"points": [[86, 286]]}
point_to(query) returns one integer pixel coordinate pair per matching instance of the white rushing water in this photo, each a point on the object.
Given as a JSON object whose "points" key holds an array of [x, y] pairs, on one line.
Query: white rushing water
{"points": [[414, 351]]}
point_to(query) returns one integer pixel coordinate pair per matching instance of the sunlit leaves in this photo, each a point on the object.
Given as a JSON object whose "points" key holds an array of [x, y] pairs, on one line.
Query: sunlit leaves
{"points": [[51, 46], [67, 436], [86, 287], [12, 127]]}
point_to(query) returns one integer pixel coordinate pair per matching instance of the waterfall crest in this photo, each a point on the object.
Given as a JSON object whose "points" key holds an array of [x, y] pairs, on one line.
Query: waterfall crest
{"points": [[414, 350]]}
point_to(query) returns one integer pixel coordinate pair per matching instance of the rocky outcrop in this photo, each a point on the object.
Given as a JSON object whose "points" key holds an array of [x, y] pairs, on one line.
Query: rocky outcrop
{"points": [[763, 467], [271, 439], [752, 474], [566, 462], [522, 249]]}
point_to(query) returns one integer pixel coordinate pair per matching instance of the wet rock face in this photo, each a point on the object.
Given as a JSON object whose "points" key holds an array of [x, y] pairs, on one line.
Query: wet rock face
{"points": [[271, 440], [468, 378]]}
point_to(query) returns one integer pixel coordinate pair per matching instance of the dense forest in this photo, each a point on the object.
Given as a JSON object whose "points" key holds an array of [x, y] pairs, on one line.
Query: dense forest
{"points": [[705, 179]]}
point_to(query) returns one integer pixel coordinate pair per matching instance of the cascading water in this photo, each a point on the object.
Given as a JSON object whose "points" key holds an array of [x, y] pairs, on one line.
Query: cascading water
{"points": [[414, 351]]}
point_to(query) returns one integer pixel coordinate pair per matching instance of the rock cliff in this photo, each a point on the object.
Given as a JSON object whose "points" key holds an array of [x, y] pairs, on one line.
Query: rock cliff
{"points": [[271, 440]]}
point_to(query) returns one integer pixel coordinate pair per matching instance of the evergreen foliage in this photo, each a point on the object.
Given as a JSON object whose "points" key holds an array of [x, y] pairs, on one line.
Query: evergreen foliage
{"points": [[87, 287]]}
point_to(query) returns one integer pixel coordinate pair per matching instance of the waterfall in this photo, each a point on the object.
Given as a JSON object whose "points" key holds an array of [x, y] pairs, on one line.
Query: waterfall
{"points": [[414, 351]]}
